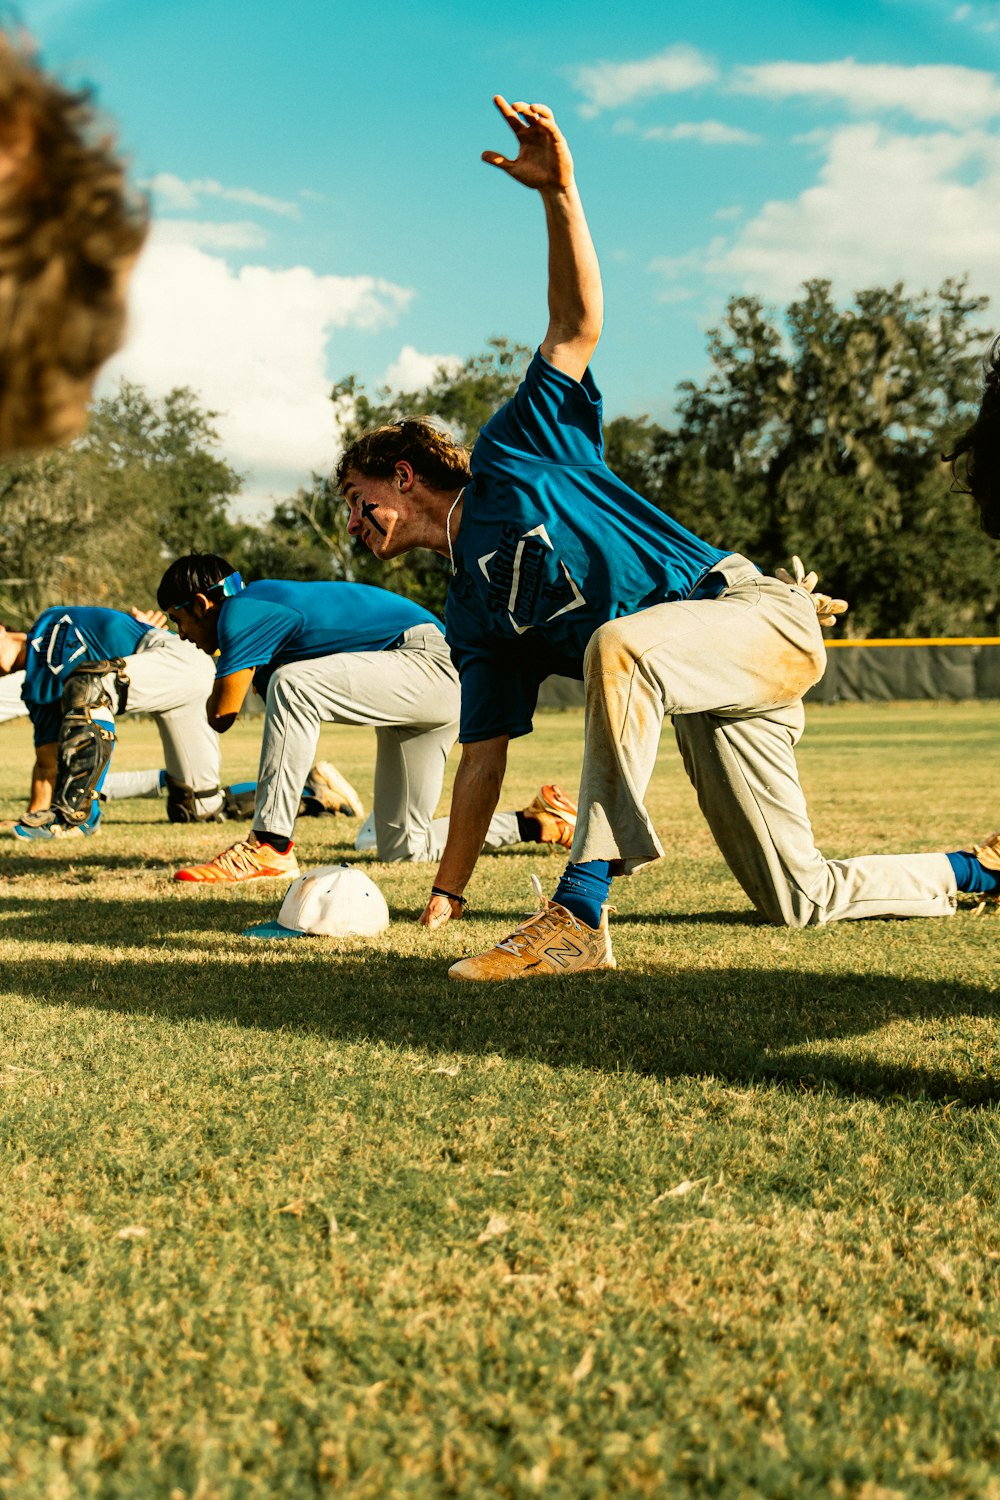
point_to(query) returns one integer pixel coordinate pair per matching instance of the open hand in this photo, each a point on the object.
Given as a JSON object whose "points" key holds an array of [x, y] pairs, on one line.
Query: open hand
{"points": [[438, 911], [543, 159], [827, 608], [150, 617]]}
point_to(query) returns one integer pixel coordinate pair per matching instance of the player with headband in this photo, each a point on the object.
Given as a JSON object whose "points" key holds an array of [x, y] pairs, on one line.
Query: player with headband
{"points": [[340, 653]]}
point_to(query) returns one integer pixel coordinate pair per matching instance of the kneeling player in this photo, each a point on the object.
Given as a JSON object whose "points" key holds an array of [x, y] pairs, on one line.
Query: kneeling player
{"points": [[557, 566], [342, 653], [83, 667]]}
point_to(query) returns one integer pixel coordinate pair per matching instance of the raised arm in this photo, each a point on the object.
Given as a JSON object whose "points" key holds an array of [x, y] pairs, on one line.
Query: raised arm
{"points": [[576, 297]]}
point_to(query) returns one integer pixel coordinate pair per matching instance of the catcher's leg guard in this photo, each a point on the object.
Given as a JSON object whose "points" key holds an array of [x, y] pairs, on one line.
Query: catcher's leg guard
{"points": [[182, 803], [93, 694]]}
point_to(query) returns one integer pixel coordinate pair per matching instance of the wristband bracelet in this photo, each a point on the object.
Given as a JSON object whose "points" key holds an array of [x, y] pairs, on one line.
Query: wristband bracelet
{"points": [[437, 891]]}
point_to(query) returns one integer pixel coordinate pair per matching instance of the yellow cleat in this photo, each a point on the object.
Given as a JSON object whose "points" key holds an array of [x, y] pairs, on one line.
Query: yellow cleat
{"points": [[552, 941], [333, 791]]}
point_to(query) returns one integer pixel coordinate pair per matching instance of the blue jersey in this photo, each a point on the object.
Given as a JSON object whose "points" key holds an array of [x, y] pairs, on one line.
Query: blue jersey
{"points": [[273, 622], [551, 545], [61, 639]]}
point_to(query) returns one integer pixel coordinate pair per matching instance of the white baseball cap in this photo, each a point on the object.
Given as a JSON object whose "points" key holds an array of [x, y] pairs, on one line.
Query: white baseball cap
{"points": [[333, 901]]}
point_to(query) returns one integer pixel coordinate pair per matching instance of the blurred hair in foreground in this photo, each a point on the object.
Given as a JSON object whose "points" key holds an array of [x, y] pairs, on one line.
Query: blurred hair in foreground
{"points": [[70, 230]]}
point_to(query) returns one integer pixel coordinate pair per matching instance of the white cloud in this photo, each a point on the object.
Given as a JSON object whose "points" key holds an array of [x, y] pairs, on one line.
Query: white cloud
{"points": [[413, 371], [935, 93], [705, 132], [208, 234], [173, 194], [608, 85], [886, 207], [981, 17], [253, 343]]}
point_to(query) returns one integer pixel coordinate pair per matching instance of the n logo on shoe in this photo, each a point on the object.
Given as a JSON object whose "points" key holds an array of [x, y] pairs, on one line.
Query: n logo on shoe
{"points": [[563, 954]]}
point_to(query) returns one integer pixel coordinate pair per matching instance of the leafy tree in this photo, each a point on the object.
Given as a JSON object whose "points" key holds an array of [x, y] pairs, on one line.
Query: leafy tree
{"points": [[164, 454], [96, 522], [824, 437]]}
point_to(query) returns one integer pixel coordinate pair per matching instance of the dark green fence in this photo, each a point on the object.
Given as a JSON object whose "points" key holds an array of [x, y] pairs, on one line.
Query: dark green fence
{"points": [[867, 671]]}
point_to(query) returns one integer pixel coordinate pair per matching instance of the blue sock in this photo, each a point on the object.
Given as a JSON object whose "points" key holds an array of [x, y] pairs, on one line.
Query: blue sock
{"points": [[970, 875], [584, 889]]}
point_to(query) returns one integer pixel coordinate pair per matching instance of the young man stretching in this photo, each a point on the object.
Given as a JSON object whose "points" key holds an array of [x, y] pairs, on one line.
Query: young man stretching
{"points": [[340, 653], [559, 567], [83, 667]]}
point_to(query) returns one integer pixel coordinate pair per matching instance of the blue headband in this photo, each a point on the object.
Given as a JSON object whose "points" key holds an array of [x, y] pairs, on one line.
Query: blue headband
{"points": [[228, 586]]}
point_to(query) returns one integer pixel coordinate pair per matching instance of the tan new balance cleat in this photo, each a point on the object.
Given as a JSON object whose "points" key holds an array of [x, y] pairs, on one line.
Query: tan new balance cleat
{"points": [[247, 860], [333, 791], [552, 941], [555, 814], [988, 853]]}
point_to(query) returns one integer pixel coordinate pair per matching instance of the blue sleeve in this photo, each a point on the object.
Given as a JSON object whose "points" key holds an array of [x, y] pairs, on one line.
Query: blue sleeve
{"points": [[498, 694], [551, 416], [46, 720], [252, 632]]}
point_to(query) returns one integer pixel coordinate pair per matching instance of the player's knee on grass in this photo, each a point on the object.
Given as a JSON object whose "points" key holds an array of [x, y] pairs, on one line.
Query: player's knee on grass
{"points": [[396, 845], [185, 804]]}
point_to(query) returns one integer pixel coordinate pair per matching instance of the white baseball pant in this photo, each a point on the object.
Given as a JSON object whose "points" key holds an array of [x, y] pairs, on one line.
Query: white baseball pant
{"points": [[171, 680], [410, 696], [731, 672]]}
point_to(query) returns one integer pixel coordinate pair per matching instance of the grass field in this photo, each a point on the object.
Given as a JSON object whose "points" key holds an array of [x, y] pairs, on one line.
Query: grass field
{"points": [[305, 1218]]}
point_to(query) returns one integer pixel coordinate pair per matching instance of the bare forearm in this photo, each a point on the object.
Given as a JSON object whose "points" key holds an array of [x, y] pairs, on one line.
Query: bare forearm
{"points": [[576, 296], [473, 803]]}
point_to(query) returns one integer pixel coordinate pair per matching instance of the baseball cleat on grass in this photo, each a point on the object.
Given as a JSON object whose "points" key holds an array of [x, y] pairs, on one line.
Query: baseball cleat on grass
{"points": [[552, 941], [49, 825], [988, 852], [333, 791], [247, 860], [555, 814]]}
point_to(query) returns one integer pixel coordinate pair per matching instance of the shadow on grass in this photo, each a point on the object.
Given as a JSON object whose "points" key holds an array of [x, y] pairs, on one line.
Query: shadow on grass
{"points": [[740, 1024]]}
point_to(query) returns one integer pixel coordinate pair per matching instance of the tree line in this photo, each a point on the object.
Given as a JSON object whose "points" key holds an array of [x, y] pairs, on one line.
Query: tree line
{"points": [[819, 431]]}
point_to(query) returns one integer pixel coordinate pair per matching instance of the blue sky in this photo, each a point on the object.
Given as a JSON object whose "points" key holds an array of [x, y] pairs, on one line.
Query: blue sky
{"points": [[321, 207]]}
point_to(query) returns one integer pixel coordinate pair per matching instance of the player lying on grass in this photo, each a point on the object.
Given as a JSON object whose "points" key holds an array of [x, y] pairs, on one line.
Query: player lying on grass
{"points": [[70, 230], [83, 667], [559, 567], [341, 653]]}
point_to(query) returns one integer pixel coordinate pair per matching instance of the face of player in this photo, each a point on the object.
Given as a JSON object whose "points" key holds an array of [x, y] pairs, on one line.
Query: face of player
{"points": [[381, 514], [198, 623]]}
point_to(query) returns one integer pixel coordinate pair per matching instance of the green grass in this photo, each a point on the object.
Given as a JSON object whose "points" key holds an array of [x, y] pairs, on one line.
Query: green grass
{"points": [[305, 1218]]}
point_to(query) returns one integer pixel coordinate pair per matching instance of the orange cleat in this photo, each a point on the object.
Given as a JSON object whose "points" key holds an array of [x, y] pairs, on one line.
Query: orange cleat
{"points": [[247, 860], [555, 814]]}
